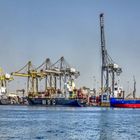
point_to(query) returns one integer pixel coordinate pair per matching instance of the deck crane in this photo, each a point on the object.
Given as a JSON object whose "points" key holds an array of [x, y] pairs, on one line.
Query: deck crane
{"points": [[32, 77], [109, 68]]}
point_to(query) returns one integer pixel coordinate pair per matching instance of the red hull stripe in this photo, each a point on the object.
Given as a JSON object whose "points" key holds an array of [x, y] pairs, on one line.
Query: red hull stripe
{"points": [[127, 105]]}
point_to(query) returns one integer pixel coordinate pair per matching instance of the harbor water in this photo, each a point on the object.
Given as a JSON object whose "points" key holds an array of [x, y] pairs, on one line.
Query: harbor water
{"points": [[68, 123]]}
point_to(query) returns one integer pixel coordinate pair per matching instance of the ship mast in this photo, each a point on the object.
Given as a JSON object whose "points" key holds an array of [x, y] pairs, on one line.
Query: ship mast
{"points": [[134, 91]]}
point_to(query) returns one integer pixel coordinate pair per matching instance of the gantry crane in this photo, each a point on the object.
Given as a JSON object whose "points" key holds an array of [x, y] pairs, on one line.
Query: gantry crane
{"points": [[59, 71], [67, 73], [109, 68], [45, 67], [32, 77]]}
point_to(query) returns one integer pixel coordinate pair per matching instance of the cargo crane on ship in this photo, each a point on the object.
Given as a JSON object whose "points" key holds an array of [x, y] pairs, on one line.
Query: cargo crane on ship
{"points": [[109, 69]]}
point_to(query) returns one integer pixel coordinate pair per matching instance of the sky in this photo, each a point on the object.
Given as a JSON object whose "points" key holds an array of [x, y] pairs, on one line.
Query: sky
{"points": [[37, 29]]}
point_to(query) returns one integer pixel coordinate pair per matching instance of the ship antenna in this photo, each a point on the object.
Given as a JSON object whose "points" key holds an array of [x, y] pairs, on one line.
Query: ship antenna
{"points": [[134, 91]]}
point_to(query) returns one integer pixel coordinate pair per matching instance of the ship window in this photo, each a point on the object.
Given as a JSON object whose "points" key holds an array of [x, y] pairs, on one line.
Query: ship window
{"points": [[104, 97]]}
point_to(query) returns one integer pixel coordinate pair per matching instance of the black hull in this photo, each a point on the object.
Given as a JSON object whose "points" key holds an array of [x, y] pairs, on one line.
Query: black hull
{"points": [[56, 102]]}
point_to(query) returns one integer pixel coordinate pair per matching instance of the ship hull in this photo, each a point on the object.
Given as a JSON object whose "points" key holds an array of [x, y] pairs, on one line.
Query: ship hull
{"points": [[56, 102], [125, 103]]}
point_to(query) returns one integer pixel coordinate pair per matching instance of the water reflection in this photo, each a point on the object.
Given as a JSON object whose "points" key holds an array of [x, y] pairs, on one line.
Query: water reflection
{"points": [[62, 123], [104, 125]]}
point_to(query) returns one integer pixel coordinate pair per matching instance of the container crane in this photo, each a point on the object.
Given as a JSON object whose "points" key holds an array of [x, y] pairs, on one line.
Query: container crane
{"points": [[52, 73], [56, 73], [108, 67], [32, 77], [45, 66], [67, 73]]}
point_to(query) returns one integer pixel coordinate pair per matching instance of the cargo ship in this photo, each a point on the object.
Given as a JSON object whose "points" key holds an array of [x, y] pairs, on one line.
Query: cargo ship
{"points": [[59, 84], [74, 98], [124, 103], [119, 101], [57, 102]]}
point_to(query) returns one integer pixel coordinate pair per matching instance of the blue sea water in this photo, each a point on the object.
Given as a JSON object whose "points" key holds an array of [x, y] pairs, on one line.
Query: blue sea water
{"points": [[68, 123]]}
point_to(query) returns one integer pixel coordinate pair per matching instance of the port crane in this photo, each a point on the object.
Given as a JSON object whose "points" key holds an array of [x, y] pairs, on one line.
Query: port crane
{"points": [[32, 77], [67, 73], [45, 66], [59, 71], [51, 75], [109, 69]]}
